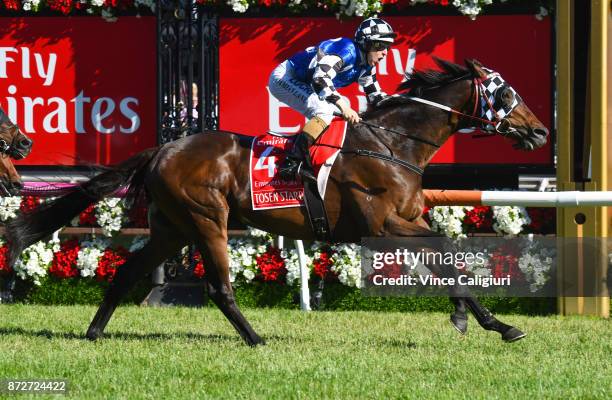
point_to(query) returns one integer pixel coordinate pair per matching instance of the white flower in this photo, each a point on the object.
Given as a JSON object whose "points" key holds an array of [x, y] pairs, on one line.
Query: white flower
{"points": [[89, 255], [448, 220], [242, 256], [292, 263], [535, 263], [361, 6], [258, 233], [346, 262], [248, 274], [510, 220], [238, 6], [109, 214], [97, 3], [108, 14], [34, 262], [541, 14], [9, 207]]}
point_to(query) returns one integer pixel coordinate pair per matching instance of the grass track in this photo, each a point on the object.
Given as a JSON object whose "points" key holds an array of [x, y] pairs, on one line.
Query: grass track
{"points": [[175, 353]]}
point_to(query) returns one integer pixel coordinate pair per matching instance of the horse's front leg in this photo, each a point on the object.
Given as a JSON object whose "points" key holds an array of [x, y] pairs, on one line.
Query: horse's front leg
{"points": [[397, 226]]}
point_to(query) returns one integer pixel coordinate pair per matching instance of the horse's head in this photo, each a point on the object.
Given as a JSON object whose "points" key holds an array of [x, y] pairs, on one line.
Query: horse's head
{"points": [[13, 143], [505, 110]]}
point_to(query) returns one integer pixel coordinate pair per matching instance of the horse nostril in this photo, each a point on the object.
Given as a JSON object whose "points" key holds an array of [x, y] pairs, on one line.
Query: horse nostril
{"points": [[542, 132], [25, 143]]}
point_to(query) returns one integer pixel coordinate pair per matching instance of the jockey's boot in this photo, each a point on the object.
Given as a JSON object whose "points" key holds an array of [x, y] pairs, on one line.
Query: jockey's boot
{"points": [[298, 160]]}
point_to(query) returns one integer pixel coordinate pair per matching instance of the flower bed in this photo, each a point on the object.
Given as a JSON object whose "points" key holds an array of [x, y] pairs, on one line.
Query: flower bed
{"points": [[253, 258], [262, 274], [110, 8]]}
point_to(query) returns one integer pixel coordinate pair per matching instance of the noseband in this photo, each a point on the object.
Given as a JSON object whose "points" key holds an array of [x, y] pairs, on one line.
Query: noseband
{"points": [[6, 147]]}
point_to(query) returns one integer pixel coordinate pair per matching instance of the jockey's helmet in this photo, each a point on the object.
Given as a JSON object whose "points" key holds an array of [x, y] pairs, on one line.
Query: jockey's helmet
{"points": [[374, 34]]}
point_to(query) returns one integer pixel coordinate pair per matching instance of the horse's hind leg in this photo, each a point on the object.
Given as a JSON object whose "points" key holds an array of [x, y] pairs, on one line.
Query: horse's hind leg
{"points": [[163, 243], [398, 226], [214, 253]]}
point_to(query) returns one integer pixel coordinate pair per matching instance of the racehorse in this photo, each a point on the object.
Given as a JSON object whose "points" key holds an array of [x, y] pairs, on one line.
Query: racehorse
{"points": [[195, 185], [15, 144]]}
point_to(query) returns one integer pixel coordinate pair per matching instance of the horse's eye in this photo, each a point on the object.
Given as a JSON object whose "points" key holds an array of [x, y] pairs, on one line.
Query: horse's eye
{"points": [[507, 96]]}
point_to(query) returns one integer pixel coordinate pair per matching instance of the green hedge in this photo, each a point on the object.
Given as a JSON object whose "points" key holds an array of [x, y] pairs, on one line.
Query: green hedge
{"points": [[336, 297], [54, 291]]}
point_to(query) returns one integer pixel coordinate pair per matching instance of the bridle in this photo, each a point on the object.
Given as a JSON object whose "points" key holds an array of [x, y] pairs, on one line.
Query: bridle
{"points": [[486, 93], [7, 148]]}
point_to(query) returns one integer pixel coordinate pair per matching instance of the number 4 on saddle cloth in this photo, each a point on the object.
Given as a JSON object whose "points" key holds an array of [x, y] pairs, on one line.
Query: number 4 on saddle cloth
{"points": [[269, 190]]}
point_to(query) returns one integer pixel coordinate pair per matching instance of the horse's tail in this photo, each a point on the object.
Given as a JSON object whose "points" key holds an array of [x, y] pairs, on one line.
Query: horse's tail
{"points": [[28, 229]]}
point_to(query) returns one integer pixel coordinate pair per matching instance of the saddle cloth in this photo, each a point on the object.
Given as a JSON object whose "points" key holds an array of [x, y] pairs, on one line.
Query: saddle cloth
{"points": [[268, 151]]}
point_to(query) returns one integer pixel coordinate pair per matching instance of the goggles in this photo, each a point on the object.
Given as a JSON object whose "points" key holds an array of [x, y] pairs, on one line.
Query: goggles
{"points": [[379, 46]]}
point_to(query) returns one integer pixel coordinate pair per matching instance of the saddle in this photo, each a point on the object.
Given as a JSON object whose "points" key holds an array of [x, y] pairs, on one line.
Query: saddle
{"points": [[270, 191]]}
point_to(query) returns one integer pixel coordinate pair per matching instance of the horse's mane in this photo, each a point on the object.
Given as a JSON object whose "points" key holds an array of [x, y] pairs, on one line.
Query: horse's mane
{"points": [[420, 81]]}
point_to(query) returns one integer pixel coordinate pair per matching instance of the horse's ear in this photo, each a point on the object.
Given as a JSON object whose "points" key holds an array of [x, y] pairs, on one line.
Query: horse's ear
{"points": [[476, 68]]}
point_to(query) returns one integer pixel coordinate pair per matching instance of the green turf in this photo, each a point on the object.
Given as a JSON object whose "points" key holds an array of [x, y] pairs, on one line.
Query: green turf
{"points": [[174, 353]]}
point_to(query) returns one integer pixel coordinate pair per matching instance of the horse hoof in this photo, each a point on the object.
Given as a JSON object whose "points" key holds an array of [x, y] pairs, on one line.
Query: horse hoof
{"points": [[459, 322], [257, 341], [92, 335], [512, 335]]}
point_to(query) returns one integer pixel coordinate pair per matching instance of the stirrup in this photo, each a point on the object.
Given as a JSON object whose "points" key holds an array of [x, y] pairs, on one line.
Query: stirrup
{"points": [[306, 173], [289, 168]]}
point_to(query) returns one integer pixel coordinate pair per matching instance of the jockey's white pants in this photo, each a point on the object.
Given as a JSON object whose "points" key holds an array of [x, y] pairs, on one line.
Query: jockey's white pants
{"points": [[299, 95]]}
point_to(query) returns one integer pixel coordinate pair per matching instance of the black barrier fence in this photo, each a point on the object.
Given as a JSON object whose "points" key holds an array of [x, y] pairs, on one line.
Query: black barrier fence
{"points": [[188, 69], [188, 93], [486, 266]]}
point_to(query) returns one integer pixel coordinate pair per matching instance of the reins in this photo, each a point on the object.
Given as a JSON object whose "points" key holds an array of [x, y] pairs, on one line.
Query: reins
{"points": [[398, 161], [409, 136]]}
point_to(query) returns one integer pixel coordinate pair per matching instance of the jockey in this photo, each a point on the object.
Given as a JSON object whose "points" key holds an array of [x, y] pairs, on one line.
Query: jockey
{"points": [[307, 83]]}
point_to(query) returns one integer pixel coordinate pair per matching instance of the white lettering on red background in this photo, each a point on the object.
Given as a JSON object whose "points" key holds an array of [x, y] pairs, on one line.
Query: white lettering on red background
{"points": [[20, 63]]}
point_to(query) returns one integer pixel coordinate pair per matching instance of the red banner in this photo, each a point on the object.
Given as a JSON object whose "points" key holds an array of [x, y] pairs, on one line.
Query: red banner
{"points": [[82, 88], [516, 46]]}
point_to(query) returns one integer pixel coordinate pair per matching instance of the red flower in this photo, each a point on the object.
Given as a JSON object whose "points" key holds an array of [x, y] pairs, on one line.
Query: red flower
{"points": [[63, 6], [4, 268], [198, 270], [322, 266], [392, 271], [11, 4], [503, 266], [271, 265], [109, 262], [543, 220], [29, 203], [478, 218], [88, 217], [64, 261]]}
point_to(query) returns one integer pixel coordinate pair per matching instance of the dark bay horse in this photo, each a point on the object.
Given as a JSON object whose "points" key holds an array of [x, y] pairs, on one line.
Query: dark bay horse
{"points": [[15, 144], [196, 184]]}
